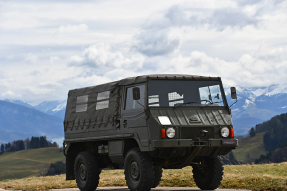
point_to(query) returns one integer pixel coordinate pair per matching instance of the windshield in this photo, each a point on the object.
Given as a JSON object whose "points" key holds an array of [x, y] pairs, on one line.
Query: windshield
{"points": [[180, 93]]}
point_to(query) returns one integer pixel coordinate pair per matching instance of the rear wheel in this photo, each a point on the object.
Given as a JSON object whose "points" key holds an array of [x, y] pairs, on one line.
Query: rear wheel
{"points": [[208, 174], [86, 171], [139, 171]]}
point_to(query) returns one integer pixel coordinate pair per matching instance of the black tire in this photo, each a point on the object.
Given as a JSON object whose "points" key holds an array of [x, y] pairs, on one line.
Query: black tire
{"points": [[208, 176], [86, 171], [157, 176], [139, 170]]}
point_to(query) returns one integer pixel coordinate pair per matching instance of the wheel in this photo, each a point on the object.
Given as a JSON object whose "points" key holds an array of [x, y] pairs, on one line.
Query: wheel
{"points": [[139, 170], [157, 176], [86, 171], [208, 174]]}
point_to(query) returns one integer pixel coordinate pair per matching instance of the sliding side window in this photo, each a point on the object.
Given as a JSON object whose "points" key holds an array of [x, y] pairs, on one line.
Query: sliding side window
{"points": [[82, 103], [103, 100]]}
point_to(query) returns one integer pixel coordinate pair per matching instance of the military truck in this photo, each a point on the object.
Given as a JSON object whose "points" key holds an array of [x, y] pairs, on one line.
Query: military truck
{"points": [[145, 124]]}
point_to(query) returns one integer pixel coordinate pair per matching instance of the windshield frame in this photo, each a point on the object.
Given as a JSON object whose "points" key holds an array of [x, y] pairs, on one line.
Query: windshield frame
{"points": [[224, 100]]}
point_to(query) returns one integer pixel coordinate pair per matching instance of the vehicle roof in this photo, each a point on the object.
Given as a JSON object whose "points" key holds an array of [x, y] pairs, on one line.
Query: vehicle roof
{"points": [[144, 78]]}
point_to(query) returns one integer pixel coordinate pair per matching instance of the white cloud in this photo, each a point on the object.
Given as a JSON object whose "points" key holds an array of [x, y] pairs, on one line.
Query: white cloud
{"points": [[102, 55], [31, 58], [73, 28], [49, 47], [53, 59]]}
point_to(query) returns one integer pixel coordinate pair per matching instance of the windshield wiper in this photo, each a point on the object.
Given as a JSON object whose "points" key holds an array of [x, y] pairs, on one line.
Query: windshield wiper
{"points": [[185, 103], [210, 103]]}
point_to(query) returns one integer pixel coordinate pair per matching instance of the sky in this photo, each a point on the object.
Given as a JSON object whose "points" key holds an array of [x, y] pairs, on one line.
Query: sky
{"points": [[48, 47]]}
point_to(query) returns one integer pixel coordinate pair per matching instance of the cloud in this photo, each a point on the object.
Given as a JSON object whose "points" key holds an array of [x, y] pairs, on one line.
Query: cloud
{"points": [[155, 43], [219, 18], [102, 55], [53, 59], [230, 17], [247, 2], [31, 58], [248, 70], [241, 41], [72, 28]]}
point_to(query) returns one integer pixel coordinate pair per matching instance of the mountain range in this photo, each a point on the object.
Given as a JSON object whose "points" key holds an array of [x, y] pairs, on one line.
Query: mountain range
{"points": [[19, 120]]}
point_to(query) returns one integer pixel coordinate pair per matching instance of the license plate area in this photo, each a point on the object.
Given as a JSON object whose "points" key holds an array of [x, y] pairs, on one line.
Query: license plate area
{"points": [[229, 142]]}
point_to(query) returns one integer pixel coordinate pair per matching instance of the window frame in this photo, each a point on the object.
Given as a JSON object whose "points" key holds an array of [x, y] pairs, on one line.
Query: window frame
{"points": [[125, 96], [102, 100], [82, 103], [224, 99]]}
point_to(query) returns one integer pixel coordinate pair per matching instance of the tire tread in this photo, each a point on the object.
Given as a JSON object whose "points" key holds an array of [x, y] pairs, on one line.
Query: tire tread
{"points": [[93, 171]]}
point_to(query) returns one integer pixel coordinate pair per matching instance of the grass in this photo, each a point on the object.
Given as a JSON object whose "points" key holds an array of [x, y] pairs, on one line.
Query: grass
{"points": [[252, 145], [253, 177], [20, 164]]}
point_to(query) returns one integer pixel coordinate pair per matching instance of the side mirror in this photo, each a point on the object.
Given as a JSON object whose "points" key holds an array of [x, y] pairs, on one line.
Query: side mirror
{"points": [[233, 93], [136, 93]]}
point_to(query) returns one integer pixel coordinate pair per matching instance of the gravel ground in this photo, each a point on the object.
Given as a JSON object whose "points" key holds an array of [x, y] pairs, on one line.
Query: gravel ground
{"points": [[118, 188]]}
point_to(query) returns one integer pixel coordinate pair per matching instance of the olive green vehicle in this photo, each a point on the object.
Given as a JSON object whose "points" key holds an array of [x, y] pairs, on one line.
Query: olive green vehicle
{"points": [[145, 124]]}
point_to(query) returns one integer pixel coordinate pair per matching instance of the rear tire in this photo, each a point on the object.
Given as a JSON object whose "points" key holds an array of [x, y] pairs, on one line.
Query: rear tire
{"points": [[86, 171], [157, 176], [139, 170], [209, 176]]}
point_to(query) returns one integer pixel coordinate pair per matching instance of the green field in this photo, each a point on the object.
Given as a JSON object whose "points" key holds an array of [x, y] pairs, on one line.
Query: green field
{"points": [[30, 162], [252, 145]]}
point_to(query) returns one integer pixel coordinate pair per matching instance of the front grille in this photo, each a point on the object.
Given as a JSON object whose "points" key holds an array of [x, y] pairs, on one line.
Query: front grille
{"points": [[193, 132]]}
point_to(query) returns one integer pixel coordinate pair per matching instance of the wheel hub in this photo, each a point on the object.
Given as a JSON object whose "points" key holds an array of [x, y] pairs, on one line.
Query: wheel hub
{"points": [[135, 172], [83, 171]]}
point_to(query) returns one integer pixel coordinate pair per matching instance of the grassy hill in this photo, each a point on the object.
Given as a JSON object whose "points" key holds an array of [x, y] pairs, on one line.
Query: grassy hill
{"points": [[20, 164], [252, 145]]}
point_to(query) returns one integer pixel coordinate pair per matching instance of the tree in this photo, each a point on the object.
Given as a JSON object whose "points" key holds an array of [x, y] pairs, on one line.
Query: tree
{"points": [[27, 143], [252, 132], [2, 149], [43, 142]]}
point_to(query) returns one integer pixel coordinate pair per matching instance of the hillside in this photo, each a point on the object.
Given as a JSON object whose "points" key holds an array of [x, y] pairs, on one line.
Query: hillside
{"points": [[252, 145], [20, 122], [20, 164]]}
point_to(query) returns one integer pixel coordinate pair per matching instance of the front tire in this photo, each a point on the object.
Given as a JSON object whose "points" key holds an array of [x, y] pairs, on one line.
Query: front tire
{"points": [[86, 171], [157, 176], [208, 174], [139, 170]]}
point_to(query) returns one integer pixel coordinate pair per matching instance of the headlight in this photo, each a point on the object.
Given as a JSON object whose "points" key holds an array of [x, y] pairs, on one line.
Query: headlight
{"points": [[170, 132], [164, 120], [224, 132]]}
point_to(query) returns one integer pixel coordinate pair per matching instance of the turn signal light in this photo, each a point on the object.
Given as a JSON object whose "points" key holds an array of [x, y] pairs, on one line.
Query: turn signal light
{"points": [[163, 133], [231, 132]]}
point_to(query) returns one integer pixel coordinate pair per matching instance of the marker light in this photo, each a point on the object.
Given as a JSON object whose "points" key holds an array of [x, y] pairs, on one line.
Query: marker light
{"points": [[231, 132], [164, 120], [224, 132], [170, 132], [163, 133]]}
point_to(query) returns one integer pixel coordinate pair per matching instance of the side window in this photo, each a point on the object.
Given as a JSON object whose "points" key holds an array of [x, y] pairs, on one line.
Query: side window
{"points": [[103, 100], [82, 103], [130, 102]]}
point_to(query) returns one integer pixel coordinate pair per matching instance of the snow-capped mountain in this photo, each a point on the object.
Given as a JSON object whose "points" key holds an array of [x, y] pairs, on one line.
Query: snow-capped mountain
{"points": [[21, 122], [256, 105], [19, 102], [56, 108]]}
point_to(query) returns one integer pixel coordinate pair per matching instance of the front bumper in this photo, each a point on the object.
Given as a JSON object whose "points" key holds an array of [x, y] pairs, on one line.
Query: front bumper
{"points": [[192, 143]]}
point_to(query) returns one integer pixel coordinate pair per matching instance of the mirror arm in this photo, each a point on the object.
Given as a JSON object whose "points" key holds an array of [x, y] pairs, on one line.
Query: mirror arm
{"points": [[141, 104], [233, 103]]}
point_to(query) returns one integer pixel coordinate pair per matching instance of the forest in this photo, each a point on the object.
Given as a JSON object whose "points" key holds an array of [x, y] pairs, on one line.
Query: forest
{"points": [[33, 143]]}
